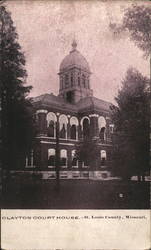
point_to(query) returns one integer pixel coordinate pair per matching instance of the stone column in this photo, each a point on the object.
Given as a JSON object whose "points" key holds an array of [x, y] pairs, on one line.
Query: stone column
{"points": [[68, 127], [107, 131], [42, 123], [80, 131], [94, 130]]}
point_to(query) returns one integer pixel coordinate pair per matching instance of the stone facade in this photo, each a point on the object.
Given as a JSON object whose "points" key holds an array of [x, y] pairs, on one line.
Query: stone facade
{"points": [[75, 115]]}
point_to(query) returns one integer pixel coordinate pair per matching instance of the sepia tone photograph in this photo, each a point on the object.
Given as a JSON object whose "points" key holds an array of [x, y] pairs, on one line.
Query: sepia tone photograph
{"points": [[75, 104]]}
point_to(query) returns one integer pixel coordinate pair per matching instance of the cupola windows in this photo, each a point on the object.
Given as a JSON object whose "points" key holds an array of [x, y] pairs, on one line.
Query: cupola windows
{"points": [[71, 79], [78, 80], [83, 81], [74, 79], [66, 80]]}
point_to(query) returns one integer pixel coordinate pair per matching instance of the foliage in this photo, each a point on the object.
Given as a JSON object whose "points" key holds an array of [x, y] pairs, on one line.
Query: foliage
{"points": [[16, 109], [131, 119], [88, 151], [137, 22]]}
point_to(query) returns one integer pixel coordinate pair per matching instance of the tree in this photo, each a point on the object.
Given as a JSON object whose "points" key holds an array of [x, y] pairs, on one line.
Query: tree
{"points": [[88, 152], [17, 123], [137, 22], [132, 122]]}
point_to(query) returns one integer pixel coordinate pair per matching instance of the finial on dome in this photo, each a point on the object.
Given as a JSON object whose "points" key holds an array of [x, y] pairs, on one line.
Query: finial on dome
{"points": [[74, 44]]}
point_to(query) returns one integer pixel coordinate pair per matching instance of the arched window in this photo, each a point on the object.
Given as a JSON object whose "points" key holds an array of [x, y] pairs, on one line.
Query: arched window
{"points": [[51, 157], [51, 129], [102, 127], [111, 128], [103, 157], [63, 157], [29, 162], [85, 127], [51, 124], [73, 132], [63, 131], [102, 133], [73, 128], [63, 126], [74, 159]]}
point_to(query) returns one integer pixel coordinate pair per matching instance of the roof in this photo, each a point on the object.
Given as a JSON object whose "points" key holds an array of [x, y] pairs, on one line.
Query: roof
{"points": [[54, 101], [74, 59], [84, 103], [93, 102]]}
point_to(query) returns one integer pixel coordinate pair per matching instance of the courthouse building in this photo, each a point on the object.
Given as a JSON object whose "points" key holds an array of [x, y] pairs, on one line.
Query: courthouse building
{"points": [[78, 115]]}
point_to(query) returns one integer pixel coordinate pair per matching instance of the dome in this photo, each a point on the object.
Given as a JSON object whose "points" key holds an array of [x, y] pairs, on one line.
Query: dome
{"points": [[74, 59]]}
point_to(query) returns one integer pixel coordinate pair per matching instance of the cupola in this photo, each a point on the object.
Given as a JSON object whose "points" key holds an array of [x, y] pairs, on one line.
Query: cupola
{"points": [[74, 75]]}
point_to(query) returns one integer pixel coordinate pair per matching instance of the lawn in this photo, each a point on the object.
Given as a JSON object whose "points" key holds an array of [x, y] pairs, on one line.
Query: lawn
{"points": [[77, 194]]}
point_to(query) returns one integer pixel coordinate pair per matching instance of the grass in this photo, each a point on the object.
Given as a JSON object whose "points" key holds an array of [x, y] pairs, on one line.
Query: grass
{"points": [[77, 194]]}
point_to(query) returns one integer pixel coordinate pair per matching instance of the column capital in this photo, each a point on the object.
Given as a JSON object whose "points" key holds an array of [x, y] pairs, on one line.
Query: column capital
{"points": [[93, 115], [41, 111], [107, 118]]}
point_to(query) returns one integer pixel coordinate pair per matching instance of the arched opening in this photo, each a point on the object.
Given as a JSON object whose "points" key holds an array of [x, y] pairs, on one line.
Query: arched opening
{"points": [[63, 157], [63, 126], [63, 132], [102, 133], [102, 127], [86, 128], [111, 128], [73, 128], [30, 159], [51, 124], [74, 159], [103, 157], [73, 132], [51, 157], [51, 129]]}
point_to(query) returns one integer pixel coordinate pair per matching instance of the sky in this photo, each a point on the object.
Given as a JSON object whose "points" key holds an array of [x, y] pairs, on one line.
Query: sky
{"points": [[46, 30]]}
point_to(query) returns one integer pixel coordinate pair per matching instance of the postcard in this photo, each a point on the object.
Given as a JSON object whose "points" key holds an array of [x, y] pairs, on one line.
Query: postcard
{"points": [[75, 124]]}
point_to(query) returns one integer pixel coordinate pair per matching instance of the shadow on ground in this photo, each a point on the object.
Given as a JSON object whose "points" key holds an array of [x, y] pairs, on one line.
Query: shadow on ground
{"points": [[76, 194]]}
